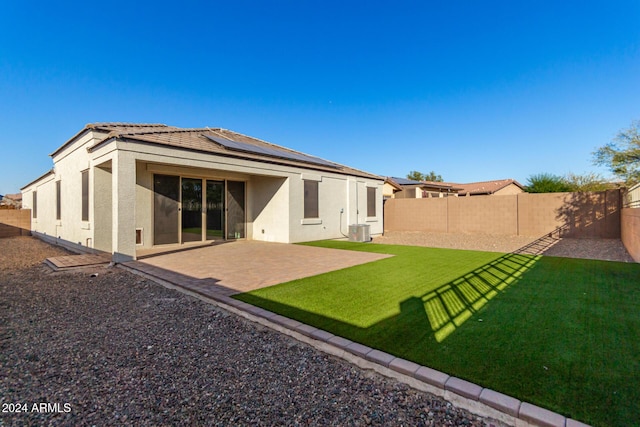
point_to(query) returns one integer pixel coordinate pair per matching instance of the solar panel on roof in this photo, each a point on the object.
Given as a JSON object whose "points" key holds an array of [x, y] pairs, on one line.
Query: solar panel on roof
{"points": [[268, 151], [404, 181]]}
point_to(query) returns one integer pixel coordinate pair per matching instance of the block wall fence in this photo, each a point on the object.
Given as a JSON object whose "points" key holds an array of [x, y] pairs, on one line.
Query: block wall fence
{"points": [[593, 215], [579, 215], [630, 231], [15, 222]]}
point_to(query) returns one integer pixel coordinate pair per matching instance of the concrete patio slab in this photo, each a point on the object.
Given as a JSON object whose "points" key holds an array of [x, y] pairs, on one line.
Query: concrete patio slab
{"points": [[242, 266], [67, 262]]}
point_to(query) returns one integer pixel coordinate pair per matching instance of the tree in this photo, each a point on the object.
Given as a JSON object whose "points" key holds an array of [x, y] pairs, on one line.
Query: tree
{"points": [[588, 182], [547, 183], [419, 176], [622, 155]]}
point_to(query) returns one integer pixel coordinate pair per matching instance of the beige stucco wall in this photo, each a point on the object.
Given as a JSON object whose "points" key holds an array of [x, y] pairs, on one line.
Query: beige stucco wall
{"points": [[268, 213], [342, 201], [509, 189], [69, 230], [45, 223], [101, 196], [121, 195], [409, 192], [68, 167], [388, 190]]}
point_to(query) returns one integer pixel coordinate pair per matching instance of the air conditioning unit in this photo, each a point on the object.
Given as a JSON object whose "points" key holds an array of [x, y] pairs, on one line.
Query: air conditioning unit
{"points": [[359, 233]]}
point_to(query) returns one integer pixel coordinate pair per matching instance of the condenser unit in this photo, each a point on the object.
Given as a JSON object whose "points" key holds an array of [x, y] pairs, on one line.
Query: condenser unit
{"points": [[359, 233]]}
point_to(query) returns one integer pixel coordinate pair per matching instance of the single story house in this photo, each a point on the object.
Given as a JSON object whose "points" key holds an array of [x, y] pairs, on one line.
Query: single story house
{"points": [[390, 188], [499, 187], [423, 189], [11, 200], [120, 188], [426, 189]]}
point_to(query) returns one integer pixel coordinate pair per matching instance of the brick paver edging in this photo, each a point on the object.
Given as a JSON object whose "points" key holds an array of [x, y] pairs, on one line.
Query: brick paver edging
{"points": [[464, 394]]}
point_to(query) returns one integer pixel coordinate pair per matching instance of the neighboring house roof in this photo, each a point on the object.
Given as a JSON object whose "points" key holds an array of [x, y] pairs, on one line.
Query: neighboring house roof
{"points": [[15, 197], [392, 182], [486, 187], [453, 188], [213, 140], [403, 182], [11, 200]]}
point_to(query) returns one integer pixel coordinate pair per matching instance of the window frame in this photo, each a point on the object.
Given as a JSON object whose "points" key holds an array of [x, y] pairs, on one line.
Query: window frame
{"points": [[371, 202], [311, 199], [85, 194], [58, 200], [34, 208]]}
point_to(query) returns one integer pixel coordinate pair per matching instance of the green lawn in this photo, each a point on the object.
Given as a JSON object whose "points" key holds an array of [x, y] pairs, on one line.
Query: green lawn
{"points": [[198, 231], [557, 332]]}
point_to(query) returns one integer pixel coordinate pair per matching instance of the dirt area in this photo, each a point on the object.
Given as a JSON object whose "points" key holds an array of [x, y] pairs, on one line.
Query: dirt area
{"points": [[603, 249], [22, 252]]}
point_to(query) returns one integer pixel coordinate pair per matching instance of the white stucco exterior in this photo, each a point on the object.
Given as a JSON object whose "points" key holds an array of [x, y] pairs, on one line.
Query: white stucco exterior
{"points": [[121, 195]]}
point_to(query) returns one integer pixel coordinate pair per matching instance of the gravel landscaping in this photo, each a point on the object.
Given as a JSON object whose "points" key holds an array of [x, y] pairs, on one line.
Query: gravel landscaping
{"points": [[121, 350], [603, 249]]}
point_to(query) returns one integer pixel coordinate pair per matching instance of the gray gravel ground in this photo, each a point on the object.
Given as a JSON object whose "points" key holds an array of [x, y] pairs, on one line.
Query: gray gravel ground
{"points": [[603, 249], [121, 350]]}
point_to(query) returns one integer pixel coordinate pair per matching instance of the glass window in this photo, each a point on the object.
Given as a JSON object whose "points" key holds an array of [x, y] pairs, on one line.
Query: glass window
{"points": [[34, 212], [58, 200], [85, 195], [371, 201], [311, 199]]}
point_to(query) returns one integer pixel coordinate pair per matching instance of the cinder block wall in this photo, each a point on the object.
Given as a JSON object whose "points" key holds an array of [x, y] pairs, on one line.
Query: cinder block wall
{"points": [[595, 215], [14, 222], [539, 213], [630, 231], [483, 214], [416, 215]]}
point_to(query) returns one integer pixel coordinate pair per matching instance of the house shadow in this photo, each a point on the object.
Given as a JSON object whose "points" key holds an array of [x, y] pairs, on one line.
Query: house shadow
{"points": [[422, 320], [208, 287], [145, 254], [7, 230]]}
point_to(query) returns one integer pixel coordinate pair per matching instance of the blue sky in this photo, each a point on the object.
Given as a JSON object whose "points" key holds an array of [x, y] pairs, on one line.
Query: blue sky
{"points": [[472, 90]]}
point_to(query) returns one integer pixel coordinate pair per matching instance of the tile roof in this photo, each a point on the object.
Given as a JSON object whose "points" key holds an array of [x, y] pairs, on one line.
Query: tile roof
{"points": [[426, 184], [196, 140], [485, 187], [472, 188], [15, 197], [129, 127], [392, 182], [41, 177], [107, 127]]}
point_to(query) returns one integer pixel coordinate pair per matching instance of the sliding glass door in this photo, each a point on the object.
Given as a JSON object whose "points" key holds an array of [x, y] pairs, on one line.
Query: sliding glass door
{"points": [[195, 210], [191, 210], [215, 210], [235, 210], [166, 205]]}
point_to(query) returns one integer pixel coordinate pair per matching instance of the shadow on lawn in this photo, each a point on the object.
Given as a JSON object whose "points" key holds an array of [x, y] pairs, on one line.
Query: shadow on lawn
{"points": [[453, 303]]}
